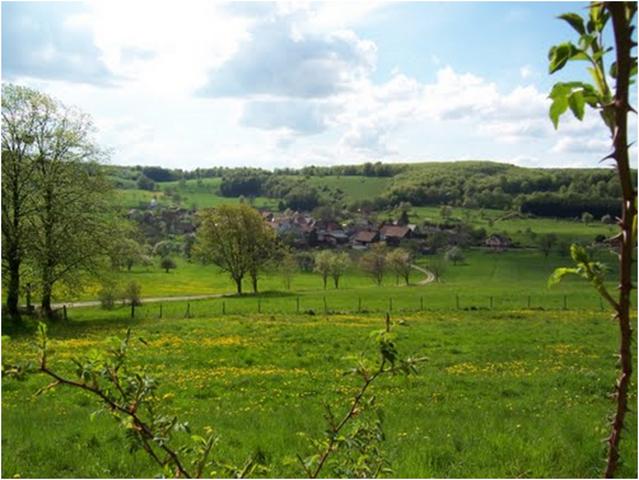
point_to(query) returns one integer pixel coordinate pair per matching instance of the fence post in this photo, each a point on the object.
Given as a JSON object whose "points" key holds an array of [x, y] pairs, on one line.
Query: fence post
{"points": [[421, 303], [160, 310], [259, 305], [325, 307], [132, 309], [491, 302], [565, 303], [359, 304], [457, 301], [298, 304], [188, 310], [223, 307], [64, 312]]}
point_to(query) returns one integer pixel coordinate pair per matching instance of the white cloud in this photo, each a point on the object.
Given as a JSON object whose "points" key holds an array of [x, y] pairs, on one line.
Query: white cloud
{"points": [[526, 72]]}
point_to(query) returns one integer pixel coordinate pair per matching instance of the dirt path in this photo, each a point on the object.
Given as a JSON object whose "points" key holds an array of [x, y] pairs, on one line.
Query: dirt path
{"points": [[96, 303], [430, 276]]}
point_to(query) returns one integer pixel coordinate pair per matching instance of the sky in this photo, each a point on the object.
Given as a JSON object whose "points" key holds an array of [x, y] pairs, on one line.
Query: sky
{"points": [[199, 84]]}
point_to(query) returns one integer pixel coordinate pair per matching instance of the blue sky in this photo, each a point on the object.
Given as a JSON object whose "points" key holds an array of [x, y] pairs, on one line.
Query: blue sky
{"points": [[196, 84]]}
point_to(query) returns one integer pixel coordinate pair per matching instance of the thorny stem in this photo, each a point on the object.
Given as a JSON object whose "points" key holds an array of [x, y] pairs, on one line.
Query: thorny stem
{"points": [[622, 14]]}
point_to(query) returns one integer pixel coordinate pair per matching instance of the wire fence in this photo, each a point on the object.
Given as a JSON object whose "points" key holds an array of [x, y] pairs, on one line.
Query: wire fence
{"points": [[327, 305]]}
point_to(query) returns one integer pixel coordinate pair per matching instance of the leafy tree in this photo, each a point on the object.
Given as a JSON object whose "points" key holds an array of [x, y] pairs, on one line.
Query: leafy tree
{"points": [[236, 239], [438, 266], [288, 267], [400, 262], [546, 243], [167, 264], [587, 218], [131, 293], [305, 261], [455, 255], [20, 117], [323, 264], [126, 253], [339, 264], [145, 183], [73, 224], [373, 262], [613, 110], [187, 245]]}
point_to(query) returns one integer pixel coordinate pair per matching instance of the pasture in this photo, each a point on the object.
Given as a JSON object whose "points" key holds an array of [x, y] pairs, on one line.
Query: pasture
{"points": [[504, 394]]}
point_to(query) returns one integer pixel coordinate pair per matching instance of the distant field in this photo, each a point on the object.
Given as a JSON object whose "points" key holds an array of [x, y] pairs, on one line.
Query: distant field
{"points": [[565, 229], [510, 278], [354, 187], [504, 394]]}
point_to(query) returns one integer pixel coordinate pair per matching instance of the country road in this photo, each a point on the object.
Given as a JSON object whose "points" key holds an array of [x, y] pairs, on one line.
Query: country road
{"points": [[96, 303], [430, 277]]}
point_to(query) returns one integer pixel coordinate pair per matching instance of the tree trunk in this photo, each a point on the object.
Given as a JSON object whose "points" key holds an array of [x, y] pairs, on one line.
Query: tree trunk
{"points": [[325, 279], [47, 311], [623, 42], [336, 281], [13, 289], [238, 283], [254, 282]]}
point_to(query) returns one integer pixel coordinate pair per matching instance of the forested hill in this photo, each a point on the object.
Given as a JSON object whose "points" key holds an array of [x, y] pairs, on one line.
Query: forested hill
{"points": [[476, 184]]}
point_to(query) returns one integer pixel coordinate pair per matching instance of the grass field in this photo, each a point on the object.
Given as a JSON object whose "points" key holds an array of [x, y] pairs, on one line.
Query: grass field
{"points": [[510, 277], [504, 394]]}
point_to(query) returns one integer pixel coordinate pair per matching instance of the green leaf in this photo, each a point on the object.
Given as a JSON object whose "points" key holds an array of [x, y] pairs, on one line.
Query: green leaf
{"points": [[557, 108], [559, 56], [559, 274], [575, 22], [579, 254], [576, 103]]}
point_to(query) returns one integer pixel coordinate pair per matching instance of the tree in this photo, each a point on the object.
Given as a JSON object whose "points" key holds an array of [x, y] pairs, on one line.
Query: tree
{"points": [[20, 116], [455, 255], [167, 264], [126, 253], [400, 262], [438, 266], [373, 262], [607, 219], [546, 243], [131, 293], [613, 110], [145, 183], [339, 264], [288, 267], [236, 239], [72, 223], [323, 264], [446, 212], [587, 218]]}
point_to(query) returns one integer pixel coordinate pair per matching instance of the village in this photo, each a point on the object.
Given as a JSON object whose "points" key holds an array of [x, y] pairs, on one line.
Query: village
{"points": [[303, 230]]}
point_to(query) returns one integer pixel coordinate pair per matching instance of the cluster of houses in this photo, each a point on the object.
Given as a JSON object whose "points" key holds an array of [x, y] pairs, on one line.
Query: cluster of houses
{"points": [[301, 230]]}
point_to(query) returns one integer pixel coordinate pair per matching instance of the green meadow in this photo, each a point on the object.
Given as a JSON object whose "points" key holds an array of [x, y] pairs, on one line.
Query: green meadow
{"points": [[503, 394]]}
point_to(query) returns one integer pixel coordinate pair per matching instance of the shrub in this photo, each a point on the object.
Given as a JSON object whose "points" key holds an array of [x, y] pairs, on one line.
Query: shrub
{"points": [[132, 293]]}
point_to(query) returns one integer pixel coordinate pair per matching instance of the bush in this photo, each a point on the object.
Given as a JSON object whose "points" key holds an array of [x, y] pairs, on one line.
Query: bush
{"points": [[108, 295], [167, 264], [132, 293]]}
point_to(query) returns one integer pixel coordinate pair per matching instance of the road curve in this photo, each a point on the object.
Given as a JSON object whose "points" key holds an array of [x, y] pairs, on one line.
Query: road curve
{"points": [[430, 276]]}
